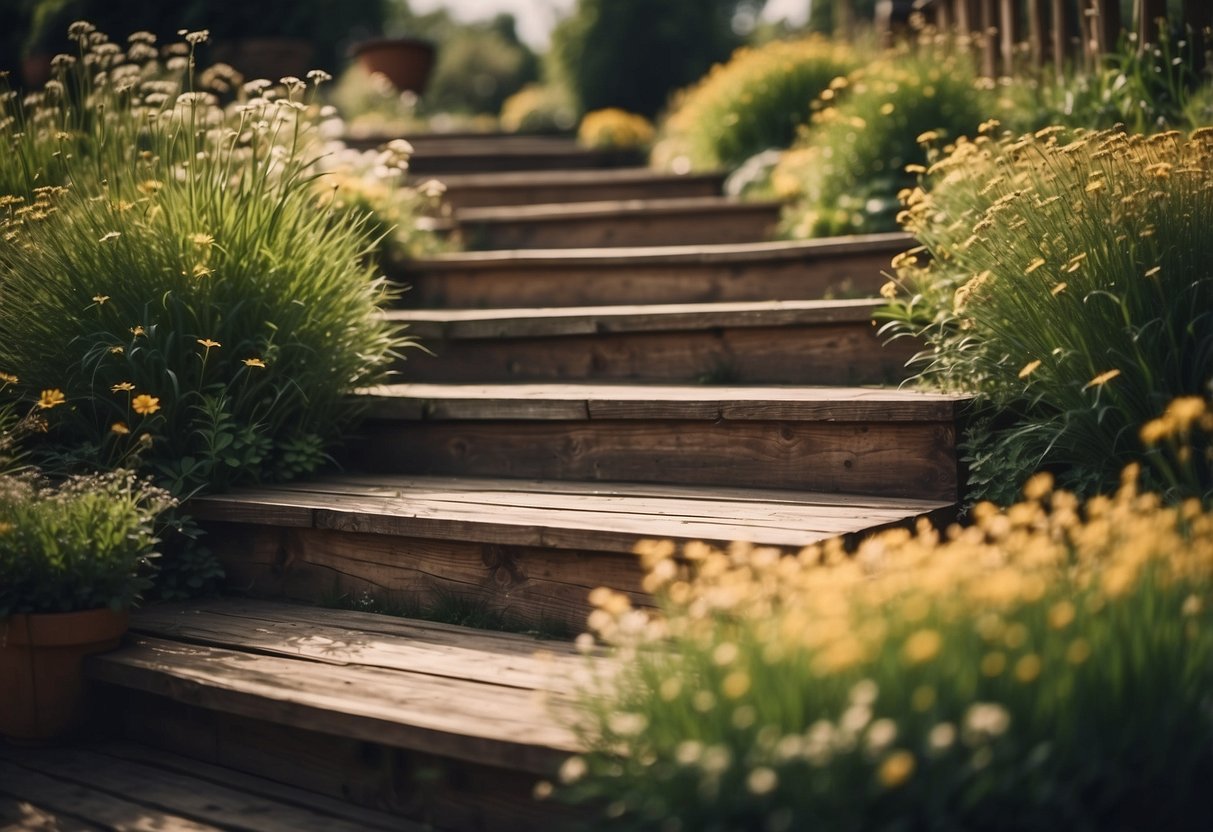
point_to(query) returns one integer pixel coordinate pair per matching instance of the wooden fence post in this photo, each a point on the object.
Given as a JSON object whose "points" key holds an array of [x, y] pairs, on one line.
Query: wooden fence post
{"points": [[1008, 34], [844, 17], [1036, 33], [1148, 13], [989, 46], [1061, 37]]}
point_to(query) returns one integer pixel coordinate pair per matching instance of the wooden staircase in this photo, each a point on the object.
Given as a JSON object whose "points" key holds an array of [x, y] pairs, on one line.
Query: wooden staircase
{"points": [[681, 385]]}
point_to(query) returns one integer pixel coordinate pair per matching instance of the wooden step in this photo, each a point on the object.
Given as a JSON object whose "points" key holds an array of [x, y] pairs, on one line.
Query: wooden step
{"points": [[857, 440], [438, 154], [766, 342], [529, 550], [632, 222], [112, 785], [443, 724], [807, 270], [479, 190]]}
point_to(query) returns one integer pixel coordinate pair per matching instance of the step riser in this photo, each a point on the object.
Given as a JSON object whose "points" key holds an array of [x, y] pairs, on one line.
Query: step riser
{"points": [[483, 197], [450, 794], [439, 164], [837, 354], [535, 586], [571, 284], [912, 459], [731, 224]]}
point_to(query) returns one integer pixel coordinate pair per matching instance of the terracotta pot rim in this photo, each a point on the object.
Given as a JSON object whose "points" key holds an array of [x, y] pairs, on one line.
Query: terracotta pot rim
{"points": [[381, 43], [56, 629]]}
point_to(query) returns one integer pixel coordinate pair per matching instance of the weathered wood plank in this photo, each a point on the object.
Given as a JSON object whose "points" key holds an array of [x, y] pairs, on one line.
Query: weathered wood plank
{"points": [[80, 804], [459, 719], [672, 274], [160, 790], [882, 458], [23, 816], [651, 401], [635, 222], [546, 187]]}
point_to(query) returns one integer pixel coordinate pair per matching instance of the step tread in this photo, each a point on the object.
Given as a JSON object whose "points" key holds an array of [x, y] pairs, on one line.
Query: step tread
{"points": [[613, 208], [118, 785], [767, 251], [547, 178], [559, 514], [392, 682], [584, 320], [587, 402]]}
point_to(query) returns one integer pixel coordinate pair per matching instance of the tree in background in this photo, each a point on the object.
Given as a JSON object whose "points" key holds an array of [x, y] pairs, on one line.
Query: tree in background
{"points": [[632, 54]]}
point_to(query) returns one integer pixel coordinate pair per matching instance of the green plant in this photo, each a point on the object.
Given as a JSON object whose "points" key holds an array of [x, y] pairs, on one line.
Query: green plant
{"points": [[1067, 286], [615, 129], [85, 544], [1048, 667], [753, 102], [183, 303], [845, 172], [632, 54], [538, 108]]}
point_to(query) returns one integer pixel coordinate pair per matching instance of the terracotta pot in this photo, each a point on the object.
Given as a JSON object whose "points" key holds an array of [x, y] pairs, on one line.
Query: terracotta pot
{"points": [[269, 58], [41, 668], [405, 61]]}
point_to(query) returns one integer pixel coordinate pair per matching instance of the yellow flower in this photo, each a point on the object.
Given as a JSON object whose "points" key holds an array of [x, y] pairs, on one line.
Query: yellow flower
{"points": [[201, 240], [145, 405], [254, 362], [1029, 368], [137, 331], [1034, 265], [117, 350], [1027, 668], [208, 343], [8, 378], [122, 386], [100, 299], [1102, 379], [896, 769], [119, 428], [922, 646], [51, 398]]}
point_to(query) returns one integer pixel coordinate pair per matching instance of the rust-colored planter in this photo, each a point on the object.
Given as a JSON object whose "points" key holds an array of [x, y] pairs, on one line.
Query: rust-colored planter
{"points": [[41, 668], [405, 61]]}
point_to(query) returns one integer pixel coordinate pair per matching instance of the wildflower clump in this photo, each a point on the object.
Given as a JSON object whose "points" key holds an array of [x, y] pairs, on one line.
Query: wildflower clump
{"points": [[1047, 667], [615, 129], [753, 102], [174, 295], [1063, 279], [843, 174]]}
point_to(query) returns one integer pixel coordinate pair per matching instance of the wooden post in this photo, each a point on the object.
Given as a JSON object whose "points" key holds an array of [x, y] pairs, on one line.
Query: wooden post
{"points": [[844, 18], [1061, 37], [1036, 33], [1148, 13], [1007, 35], [989, 62], [943, 15], [1103, 26]]}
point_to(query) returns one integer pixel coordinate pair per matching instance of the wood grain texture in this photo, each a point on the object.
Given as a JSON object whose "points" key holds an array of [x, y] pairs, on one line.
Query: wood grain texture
{"points": [[163, 794], [886, 458], [658, 222], [547, 187], [444, 793], [680, 274], [453, 718]]}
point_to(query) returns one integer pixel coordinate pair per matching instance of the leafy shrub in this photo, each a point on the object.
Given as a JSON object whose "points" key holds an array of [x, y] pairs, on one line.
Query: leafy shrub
{"points": [[1047, 668], [612, 128], [538, 108], [479, 66], [182, 302], [632, 54], [83, 545], [755, 101], [845, 172], [1068, 286]]}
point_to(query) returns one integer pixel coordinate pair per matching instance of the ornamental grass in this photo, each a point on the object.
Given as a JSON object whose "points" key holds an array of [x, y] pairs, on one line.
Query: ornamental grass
{"points": [[174, 295], [1063, 277], [753, 102], [1047, 667]]}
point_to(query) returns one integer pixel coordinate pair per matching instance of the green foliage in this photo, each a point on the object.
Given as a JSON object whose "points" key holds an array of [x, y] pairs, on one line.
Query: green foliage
{"points": [[183, 304], [1146, 89], [538, 108], [845, 172], [479, 66], [83, 545], [755, 101], [1047, 668], [632, 54], [1068, 287], [615, 130]]}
